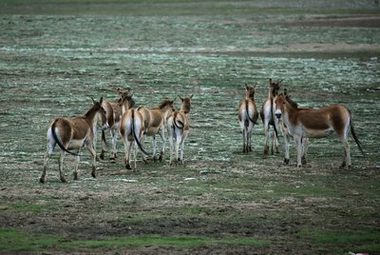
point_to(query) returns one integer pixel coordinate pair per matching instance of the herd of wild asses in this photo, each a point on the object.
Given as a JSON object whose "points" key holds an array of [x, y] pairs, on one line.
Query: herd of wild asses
{"points": [[122, 117]]}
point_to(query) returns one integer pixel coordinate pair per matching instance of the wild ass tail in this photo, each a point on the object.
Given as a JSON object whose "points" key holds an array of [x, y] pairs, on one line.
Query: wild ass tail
{"points": [[136, 136], [249, 119], [355, 137], [272, 117], [181, 125], [58, 141]]}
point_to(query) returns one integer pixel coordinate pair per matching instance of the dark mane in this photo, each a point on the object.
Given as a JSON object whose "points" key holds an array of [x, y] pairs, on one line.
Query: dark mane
{"points": [[165, 103], [291, 102]]}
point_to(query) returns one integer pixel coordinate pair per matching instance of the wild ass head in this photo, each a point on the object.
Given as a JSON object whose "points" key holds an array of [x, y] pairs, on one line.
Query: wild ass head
{"points": [[186, 104], [98, 109], [250, 92], [274, 88]]}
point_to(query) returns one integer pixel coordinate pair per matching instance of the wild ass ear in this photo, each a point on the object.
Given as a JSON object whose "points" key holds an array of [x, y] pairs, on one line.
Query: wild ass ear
{"points": [[191, 96], [92, 99], [270, 81], [101, 100], [180, 98], [246, 86], [285, 92]]}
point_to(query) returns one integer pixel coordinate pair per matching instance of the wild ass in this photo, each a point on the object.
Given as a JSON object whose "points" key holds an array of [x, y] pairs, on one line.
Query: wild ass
{"points": [[268, 118], [287, 136], [73, 133], [178, 128], [303, 123], [155, 122], [131, 129], [113, 115], [248, 116]]}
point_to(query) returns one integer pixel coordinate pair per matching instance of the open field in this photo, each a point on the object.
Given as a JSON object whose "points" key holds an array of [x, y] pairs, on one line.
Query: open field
{"points": [[54, 54]]}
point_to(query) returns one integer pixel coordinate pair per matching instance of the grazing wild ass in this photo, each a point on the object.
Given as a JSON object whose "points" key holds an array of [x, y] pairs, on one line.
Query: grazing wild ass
{"points": [[267, 116], [73, 133], [303, 123], [178, 128], [248, 117], [131, 129], [113, 115], [155, 123]]}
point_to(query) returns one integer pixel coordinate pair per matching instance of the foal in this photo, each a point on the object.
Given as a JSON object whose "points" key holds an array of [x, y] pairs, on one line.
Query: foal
{"points": [[155, 122], [178, 128], [73, 133], [131, 129], [303, 123], [248, 117], [268, 119], [113, 115]]}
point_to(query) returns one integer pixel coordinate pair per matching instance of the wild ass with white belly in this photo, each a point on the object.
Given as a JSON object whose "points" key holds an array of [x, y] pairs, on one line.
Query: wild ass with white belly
{"points": [[318, 123], [178, 125], [248, 116], [268, 118], [113, 115], [72, 134], [155, 123], [131, 129]]}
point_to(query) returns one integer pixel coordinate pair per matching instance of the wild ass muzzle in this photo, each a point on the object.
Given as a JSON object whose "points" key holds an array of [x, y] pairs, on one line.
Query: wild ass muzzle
{"points": [[72, 134], [248, 117], [113, 115], [131, 130], [155, 123], [178, 126], [267, 116], [318, 123]]}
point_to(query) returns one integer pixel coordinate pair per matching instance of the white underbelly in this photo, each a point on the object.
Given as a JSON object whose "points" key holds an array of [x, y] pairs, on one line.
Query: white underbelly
{"points": [[76, 144], [318, 133]]}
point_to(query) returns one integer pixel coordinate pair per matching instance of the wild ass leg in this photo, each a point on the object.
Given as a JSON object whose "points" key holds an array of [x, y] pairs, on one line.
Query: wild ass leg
{"points": [[171, 144], [154, 144], [49, 152], [104, 146], [347, 157], [244, 140], [249, 140], [298, 140], [266, 146], [61, 175], [182, 144], [134, 149], [75, 173], [92, 151], [127, 147], [162, 135], [304, 150], [286, 147], [113, 133]]}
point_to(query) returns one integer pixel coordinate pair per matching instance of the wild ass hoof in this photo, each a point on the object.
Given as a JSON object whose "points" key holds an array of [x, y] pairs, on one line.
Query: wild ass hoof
{"points": [[42, 180], [63, 179], [299, 165], [249, 148], [303, 160], [101, 156], [343, 165], [286, 161], [75, 176], [128, 166], [161, 156], [266, 151]]}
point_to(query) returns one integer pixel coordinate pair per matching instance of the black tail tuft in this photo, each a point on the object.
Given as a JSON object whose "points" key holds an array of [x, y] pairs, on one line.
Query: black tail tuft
{"points": [[136, 136], [356, 138]]}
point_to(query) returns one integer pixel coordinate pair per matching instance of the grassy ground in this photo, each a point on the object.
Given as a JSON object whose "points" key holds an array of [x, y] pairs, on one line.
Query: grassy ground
{"points": [[54, 54]]}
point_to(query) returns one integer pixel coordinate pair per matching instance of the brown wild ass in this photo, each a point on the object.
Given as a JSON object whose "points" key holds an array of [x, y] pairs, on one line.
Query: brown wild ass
{"points": [[131, 129], [178, 128], [267, 116], [113, 115], [73, 133], [155, 122], [248, 116], [318, 123], [287, 136]]}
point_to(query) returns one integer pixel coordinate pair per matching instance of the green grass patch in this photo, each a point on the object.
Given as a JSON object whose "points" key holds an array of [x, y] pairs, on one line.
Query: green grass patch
{"points": [[362, 240], [16, 241]]}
